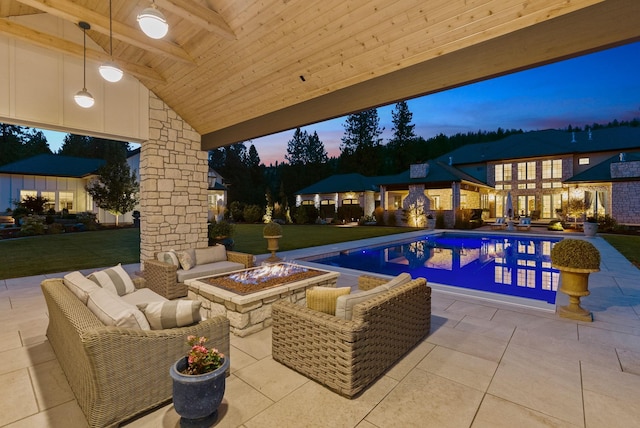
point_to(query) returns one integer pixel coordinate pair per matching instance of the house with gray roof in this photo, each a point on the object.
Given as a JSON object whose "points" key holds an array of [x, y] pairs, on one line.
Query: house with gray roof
{"points": [[541, 170]]}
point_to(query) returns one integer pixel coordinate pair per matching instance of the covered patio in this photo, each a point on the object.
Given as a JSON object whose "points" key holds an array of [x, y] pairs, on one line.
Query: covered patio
{"points": [[485, 364]]}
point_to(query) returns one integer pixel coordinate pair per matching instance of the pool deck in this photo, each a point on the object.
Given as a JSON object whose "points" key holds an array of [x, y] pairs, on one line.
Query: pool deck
{"points": [[484, 364]]}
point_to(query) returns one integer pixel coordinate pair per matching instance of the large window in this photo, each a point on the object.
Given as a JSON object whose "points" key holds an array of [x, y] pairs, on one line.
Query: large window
{"points": [[552, 169], [51, 200], [26, 193], [66, 200], [503, 172], [526, 171]]}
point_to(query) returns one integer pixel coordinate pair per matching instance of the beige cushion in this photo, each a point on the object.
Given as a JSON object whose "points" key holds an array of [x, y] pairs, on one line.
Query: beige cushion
{"points": [[172, 313], [207, 270], [399, 280], [115, 280], [142, 295], [345, 304], [215, 253], [187, 258], [323, 299], [169, 257], [79, 285], [113, 311]]}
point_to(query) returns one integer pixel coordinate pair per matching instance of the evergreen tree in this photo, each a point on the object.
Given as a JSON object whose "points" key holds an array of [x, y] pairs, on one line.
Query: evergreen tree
{"points": [[115, 189], [361, 144], [36, 144], [316, 153], [11, 141], [296, 148], [75, 145], [403, 129]]}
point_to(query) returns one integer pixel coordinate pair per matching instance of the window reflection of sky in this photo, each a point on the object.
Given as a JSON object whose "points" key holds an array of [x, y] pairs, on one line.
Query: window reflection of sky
{"points": [[511, 265]]}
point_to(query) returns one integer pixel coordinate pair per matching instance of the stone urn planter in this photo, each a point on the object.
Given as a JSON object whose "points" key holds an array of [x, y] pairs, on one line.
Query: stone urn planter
{"points": [[575, 259], [590, 228], [272, 232], [196, 397]]}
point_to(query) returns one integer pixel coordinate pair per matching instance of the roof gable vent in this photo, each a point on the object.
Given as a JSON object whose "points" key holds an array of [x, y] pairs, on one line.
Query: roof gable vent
{"points": [[573, 137]]}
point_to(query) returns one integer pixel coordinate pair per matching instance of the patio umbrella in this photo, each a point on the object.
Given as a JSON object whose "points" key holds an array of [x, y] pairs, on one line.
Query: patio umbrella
{"points": [[508, 206]]}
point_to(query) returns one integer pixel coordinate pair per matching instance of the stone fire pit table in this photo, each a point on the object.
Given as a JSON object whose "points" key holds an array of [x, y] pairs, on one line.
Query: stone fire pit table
{"points": [[249, 313]]}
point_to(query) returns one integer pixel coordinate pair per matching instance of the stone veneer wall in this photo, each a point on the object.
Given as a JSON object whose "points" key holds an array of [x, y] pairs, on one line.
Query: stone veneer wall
{"points": [[625, 203], [173, 184]]}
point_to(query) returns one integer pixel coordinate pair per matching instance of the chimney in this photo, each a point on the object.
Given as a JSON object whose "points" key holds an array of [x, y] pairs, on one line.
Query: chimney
{"points": [[622, 156], [450, 160]]}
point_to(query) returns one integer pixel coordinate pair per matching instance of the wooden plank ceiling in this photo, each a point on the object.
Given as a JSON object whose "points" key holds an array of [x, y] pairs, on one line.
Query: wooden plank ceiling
{"points": [[240, 69]]}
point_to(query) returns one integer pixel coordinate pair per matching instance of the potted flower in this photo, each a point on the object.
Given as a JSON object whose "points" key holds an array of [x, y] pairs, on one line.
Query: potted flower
{"points": [[575, 259], [199, 381], [272, 232], [590, 227]]}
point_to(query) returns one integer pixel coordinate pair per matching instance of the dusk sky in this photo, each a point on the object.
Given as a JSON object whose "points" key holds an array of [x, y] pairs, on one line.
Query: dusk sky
{"points": [[598, 88]]}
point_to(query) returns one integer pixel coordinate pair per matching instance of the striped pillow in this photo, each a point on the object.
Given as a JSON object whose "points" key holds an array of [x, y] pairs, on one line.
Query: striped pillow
{"points": [[171, 314], [169, 257], [113, 311], [114, 279]]}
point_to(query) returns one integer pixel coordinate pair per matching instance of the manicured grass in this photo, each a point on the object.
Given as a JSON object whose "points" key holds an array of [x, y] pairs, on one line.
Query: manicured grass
{"points": [[67, 252], [629, 246], [248, 237]]}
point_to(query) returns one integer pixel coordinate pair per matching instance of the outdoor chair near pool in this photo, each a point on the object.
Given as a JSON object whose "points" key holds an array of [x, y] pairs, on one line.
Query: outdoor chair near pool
{"points": [[348, 355], [525, 224], [499, 224]]}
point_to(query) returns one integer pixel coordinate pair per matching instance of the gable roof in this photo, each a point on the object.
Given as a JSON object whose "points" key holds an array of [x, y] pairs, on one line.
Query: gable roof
{"points": [[439, 172], [546, 143], [54, 166], [602, 171], [353, 182]]}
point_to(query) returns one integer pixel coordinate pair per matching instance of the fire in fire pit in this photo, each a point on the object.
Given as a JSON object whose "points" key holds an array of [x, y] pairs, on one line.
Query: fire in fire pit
{"points": [[257, 279]]}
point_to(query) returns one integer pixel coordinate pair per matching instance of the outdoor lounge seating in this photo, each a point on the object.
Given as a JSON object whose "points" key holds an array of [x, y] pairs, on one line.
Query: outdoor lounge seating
{"points": [[115, 372], [499, 224], [524, 224], [166, 277], [347, 355]]}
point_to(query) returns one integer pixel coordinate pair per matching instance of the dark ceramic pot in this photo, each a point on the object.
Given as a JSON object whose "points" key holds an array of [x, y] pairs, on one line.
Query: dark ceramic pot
{"points": [[197, 396]]}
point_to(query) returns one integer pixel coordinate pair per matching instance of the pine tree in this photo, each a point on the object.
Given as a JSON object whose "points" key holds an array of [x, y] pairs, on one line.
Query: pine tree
{"points": [[403, 129], [361, 144]]}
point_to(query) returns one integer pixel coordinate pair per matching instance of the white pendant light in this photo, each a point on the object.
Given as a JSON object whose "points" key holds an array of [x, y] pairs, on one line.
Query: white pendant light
{"points": [[153, 23], [83, 98], [110, 70]]}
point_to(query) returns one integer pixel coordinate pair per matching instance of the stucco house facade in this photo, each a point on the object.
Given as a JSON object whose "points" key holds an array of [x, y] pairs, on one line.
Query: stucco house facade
{"points": [[542, 170]]}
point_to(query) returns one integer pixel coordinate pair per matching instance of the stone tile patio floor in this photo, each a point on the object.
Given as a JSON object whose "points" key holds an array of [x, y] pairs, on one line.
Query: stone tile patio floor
{"points": [[484, 364]]}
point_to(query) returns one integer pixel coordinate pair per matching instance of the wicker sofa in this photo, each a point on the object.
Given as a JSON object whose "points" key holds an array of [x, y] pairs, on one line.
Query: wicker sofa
{"points": [[348, 355], [116, 373], [167, 279]]}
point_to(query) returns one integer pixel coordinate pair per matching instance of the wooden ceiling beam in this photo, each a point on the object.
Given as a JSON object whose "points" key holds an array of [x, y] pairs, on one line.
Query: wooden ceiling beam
{"points": [[199, 15], [26, 34], [75, 13]]}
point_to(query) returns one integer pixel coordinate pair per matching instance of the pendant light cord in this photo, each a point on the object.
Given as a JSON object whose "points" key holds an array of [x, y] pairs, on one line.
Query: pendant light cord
{"points": [[110, 32], [84, 59]]}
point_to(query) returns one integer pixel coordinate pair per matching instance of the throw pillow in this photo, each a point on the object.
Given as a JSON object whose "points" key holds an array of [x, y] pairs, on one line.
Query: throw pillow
{"points": [[113, 311], [114, 279], [187, 258], [215, 253], [171, 314], [169, 257], [79, 285], [323, 299], [345, 304]]}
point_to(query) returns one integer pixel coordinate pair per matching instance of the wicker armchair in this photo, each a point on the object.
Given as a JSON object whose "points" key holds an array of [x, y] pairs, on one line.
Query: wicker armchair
{"points": [[116, 373], [348, 355], [161, 277]]}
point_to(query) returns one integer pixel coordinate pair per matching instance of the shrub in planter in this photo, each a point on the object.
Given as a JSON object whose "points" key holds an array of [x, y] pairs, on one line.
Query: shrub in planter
{"points": [[272, 229], [220, 229], [576, 254]]}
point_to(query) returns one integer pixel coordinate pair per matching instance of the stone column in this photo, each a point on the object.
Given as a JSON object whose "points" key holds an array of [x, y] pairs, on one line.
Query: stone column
{"points": [[173, 184]]}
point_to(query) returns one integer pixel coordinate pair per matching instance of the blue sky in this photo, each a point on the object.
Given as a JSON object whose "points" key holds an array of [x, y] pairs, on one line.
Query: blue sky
{"points": [[599, 87]]}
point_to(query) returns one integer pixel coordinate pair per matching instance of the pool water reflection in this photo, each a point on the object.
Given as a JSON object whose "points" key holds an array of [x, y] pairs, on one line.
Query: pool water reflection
{"points": [[513, 265]]}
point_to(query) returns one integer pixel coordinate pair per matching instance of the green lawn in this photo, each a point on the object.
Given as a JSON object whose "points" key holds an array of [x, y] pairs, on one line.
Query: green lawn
{"points": [[67, 252], [629, 246], [86, 250]]}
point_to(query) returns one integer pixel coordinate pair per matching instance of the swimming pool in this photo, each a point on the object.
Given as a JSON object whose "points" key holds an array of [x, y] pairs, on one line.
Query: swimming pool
{"points": [[510, 265]]}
